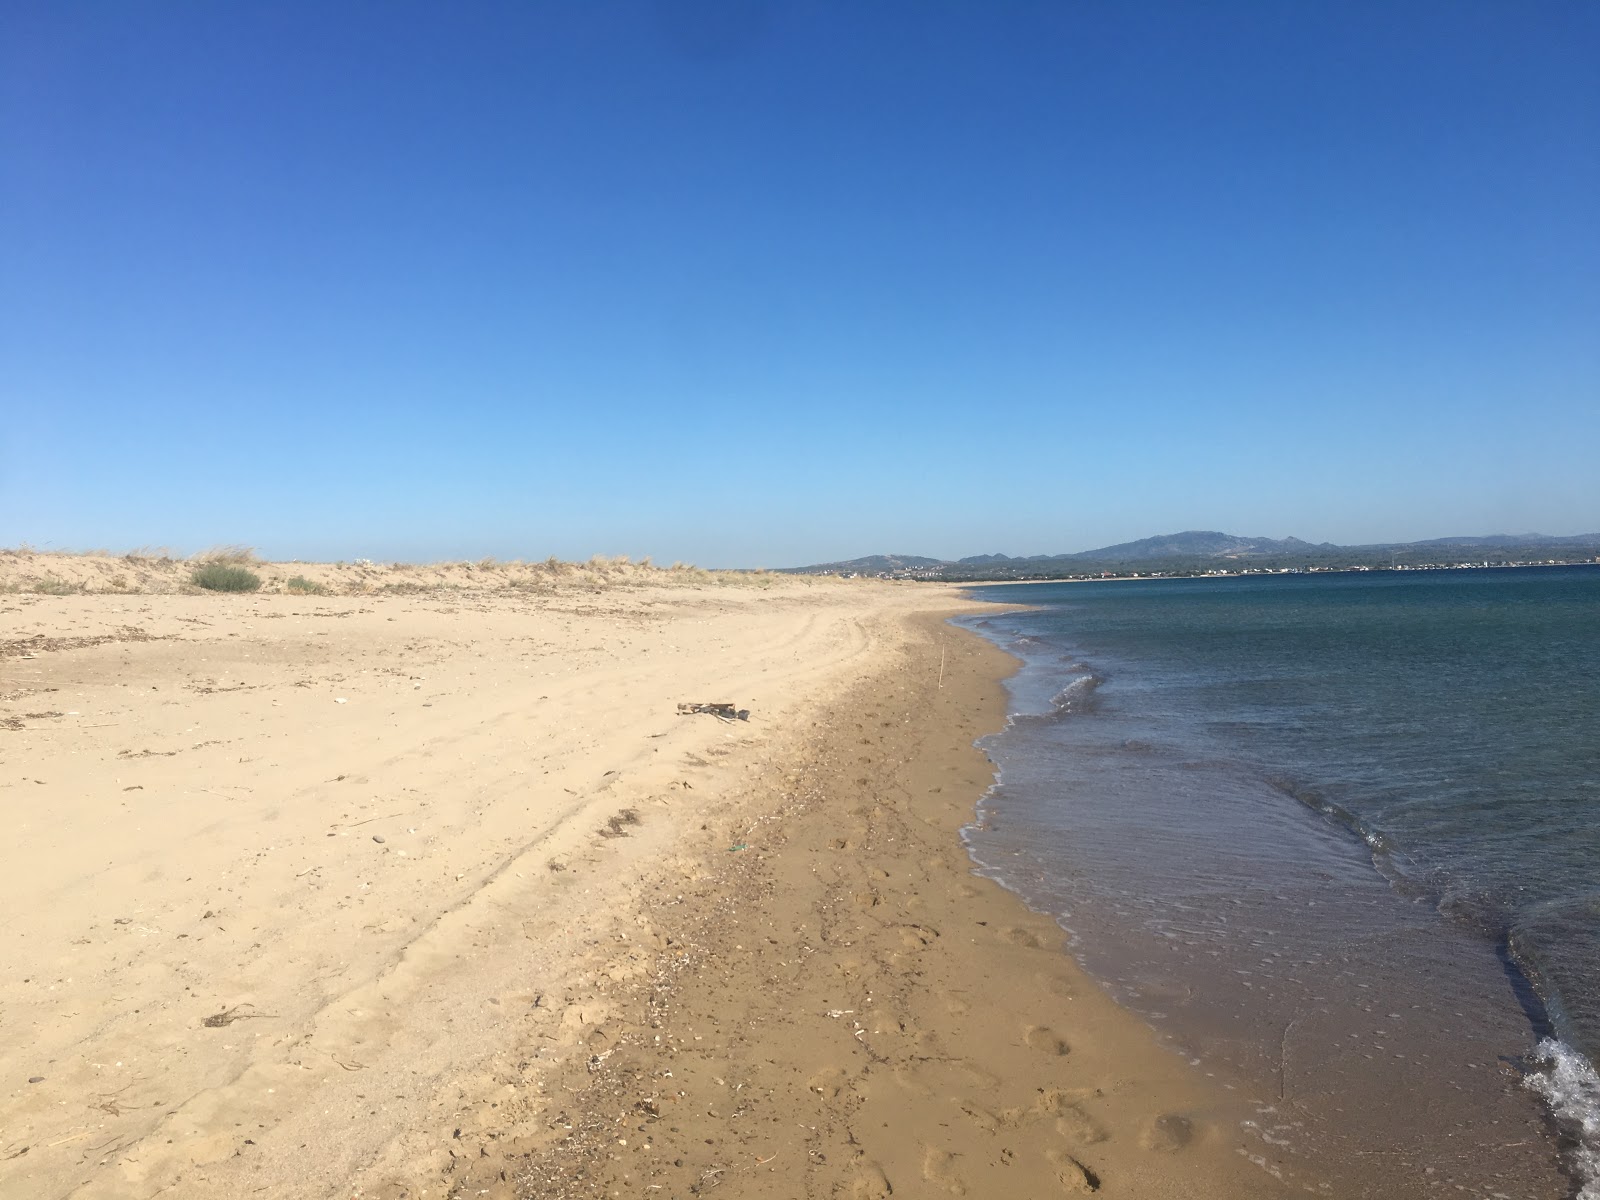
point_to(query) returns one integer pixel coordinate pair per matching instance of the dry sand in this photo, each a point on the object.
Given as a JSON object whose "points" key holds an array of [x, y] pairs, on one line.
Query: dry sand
{"points": [[435, 894]]}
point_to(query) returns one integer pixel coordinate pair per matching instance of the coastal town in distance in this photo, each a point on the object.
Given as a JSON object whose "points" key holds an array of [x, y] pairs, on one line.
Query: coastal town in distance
{"points": [[1202, 553]]}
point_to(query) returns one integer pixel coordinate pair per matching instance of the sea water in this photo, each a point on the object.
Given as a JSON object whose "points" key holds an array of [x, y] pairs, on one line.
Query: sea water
{"points": [[1337, 836]]}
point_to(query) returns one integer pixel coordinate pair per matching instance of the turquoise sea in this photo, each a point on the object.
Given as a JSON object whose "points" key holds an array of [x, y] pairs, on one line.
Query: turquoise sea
{"points": [[1338, 837]]}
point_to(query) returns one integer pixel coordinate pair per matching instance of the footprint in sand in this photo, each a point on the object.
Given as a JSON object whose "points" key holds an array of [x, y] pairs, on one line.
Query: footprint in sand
{"points": [[1025, 938], [1078, 1127], [980, 1116], [915, 937], [1167, 1134], [1072, 1175], [828, 1083], [870, 1183], [939, 1169], [980, 1077], [994, 1121], [1057, 984], [1045, 1040], [909, 1076], [1056, 1101]]}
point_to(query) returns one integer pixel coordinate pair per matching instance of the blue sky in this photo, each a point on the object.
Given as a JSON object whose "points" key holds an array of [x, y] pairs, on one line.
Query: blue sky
{"points": [[746, 283]]}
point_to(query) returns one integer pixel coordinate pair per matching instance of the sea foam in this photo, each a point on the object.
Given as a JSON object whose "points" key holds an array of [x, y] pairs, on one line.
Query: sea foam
{"points": [[1571, 1087]]}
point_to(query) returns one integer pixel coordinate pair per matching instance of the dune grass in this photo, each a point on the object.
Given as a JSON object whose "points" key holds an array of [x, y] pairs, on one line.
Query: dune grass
{"points": [[224, 577], [43, 585]]}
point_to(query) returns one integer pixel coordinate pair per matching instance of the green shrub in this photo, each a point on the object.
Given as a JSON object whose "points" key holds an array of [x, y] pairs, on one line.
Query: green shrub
{"points": [[301, 586], [220, 577], [49, 585]]}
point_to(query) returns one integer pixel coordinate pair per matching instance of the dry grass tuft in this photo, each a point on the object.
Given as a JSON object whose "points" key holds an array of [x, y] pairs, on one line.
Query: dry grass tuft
{"points": [[238, 556], [145, 556], [43, 585]]}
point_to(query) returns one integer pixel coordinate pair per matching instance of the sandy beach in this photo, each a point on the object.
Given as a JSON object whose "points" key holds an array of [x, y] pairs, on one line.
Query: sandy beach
{"points": [[421, 892]]}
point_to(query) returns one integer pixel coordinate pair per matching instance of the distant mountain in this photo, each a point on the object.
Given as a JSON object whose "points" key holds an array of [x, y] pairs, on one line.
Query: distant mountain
{"points": [[1189, 544], [1199, 543], [872, 564], [1513, 539], [1198, 550]]}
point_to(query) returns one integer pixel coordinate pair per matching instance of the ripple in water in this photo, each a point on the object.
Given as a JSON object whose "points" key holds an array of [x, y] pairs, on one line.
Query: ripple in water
{"points": [[1205, 775]]}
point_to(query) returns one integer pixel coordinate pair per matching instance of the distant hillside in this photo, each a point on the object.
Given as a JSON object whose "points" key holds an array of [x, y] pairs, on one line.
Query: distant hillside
{"points": [[872, 564], [1189, 544], [1513, 539], [1196, 551]]}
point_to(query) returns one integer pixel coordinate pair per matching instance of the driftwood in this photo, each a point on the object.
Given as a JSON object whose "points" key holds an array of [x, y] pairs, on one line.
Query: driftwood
{"points": [[723, 712]]}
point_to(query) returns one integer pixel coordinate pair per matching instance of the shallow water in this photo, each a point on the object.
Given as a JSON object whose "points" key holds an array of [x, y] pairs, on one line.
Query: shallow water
{"points": [[1336, 836]]}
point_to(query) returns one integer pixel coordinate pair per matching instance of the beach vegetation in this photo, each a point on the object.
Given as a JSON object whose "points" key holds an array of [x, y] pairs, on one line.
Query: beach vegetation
{"points": [[229, 555], [224, 577], [299, 585], [147, 555], [44, 585]]}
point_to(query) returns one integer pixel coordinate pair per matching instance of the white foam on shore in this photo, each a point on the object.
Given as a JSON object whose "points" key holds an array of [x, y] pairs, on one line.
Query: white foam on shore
{"points": [[1570, 1085]]}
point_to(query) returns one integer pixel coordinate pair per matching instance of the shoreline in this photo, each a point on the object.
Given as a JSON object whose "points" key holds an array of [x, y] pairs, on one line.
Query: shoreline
{"points": [[1279, 995], [406, 888], [838, 1005]]}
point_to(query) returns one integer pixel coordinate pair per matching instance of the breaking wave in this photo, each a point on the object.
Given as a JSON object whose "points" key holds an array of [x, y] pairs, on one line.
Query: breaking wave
{"points": [[1571, 1087]]}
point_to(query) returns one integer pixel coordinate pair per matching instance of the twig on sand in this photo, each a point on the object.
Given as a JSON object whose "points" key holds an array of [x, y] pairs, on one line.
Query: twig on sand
{"points": [[229, 1015], [370, 820]]}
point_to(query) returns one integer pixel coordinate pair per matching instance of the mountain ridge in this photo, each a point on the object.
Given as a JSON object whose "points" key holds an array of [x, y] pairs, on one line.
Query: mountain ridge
{"points": [[1187, 549]]}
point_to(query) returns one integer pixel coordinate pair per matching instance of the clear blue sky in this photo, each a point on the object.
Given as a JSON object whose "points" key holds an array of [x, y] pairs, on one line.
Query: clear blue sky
{"points": [[748, 283]]}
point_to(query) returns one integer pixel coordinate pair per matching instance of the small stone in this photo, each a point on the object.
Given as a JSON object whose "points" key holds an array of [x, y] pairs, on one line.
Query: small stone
{"points": [[378, 837], [35, 1078]]}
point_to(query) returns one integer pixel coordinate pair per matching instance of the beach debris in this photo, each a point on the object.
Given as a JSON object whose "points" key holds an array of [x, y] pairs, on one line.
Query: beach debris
{"points": [[737, 846], [229, 1015], [35, 1078], [723, 712], [614, 825]]}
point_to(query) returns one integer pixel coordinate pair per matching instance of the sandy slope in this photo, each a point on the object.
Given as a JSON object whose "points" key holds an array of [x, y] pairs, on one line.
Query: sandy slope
{"points": [[835, 1006], [387, 896], [338, 823]]}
